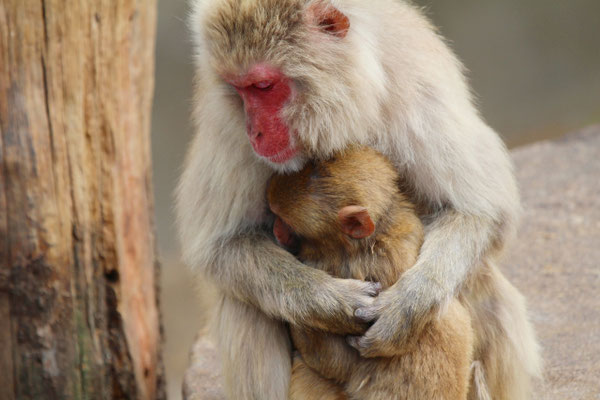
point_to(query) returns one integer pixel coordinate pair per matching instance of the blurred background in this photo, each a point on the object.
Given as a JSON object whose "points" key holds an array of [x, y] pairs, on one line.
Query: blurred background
{"points": [[533, 64]]}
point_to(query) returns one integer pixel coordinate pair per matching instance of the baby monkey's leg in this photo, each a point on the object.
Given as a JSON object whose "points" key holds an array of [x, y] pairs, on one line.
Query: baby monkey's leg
{"points": [[306, 384], [436, 367], [327, 354]]}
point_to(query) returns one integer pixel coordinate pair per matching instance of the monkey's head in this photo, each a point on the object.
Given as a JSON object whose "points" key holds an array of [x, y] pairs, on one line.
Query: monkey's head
{"points": [[297, 71], [337, 201]]}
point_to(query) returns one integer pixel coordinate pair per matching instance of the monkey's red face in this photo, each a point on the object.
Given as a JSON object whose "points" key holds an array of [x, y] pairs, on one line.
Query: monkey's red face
{"points": [[265, 91]]}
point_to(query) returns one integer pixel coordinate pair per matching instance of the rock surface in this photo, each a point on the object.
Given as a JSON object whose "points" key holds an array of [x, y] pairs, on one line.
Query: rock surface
{"points": [[556, 260], [555, 263], [202, 380]]}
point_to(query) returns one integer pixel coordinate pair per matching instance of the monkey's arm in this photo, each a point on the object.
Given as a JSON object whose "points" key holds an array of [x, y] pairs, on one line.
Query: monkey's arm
{"points": [[221, 207], [454, 243], [251, 268]]}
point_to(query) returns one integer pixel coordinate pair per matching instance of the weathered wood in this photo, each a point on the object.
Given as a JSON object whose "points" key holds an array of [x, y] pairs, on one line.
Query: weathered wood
{"points": [[78, 300]]}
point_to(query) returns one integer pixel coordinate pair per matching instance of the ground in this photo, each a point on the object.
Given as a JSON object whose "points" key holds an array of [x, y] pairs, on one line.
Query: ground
{"points": [[555, 261]]}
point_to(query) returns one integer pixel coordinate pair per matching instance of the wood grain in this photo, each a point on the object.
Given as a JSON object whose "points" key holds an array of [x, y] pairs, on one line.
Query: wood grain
{"points": [[78, 297]]}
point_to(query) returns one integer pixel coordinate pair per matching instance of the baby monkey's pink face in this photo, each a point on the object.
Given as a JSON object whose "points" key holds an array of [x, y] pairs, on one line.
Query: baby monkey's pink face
{"points": [[285, 235]]}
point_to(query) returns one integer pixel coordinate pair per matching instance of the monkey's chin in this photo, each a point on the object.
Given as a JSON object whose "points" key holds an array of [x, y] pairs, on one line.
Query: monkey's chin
{"points": [[292, 165]]}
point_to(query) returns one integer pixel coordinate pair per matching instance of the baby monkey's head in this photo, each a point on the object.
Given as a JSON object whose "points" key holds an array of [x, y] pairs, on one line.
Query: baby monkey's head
{"points": [[333, 202]]}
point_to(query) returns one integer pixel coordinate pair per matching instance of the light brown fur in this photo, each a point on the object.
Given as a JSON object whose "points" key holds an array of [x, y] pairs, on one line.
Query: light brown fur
{"points": [[307, 384], [495, 307], [390, 83], [436, 364]]}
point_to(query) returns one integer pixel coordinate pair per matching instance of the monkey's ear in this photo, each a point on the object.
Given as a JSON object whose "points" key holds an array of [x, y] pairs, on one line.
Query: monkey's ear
{"points": [[329, 19], [356, 222]]}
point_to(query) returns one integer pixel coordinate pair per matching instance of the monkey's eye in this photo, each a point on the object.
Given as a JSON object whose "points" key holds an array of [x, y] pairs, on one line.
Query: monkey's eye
{"points": [[263, 85]]}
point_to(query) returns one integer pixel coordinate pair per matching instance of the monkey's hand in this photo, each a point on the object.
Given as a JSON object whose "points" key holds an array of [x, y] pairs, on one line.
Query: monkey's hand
{"points": [[334, 304], [400, 314]]}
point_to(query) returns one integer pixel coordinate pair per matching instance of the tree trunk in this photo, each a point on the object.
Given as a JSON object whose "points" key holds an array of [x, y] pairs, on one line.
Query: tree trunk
{"points": [[78, 297]]}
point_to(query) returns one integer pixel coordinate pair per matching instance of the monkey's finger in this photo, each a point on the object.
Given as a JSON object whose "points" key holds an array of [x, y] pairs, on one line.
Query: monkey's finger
{"points": [[364, 345], [367, 346], [373, 288], [354, 341], [366, 314]]}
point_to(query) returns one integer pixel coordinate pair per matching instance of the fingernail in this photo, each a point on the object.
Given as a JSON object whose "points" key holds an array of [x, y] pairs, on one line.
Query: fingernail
{"points": [[360, 313]]}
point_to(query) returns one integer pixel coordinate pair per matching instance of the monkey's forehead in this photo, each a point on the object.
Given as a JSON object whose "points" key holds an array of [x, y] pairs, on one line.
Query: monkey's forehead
{"points": [[242, 32]]}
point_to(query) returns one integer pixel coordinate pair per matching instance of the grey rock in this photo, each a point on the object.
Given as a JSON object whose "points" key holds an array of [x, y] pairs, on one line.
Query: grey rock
{"points": [[554, 262], [202, 380], [555, 259]]}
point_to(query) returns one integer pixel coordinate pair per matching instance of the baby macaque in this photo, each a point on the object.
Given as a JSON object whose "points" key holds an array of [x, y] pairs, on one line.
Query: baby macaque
{"points": [[347, 216]]}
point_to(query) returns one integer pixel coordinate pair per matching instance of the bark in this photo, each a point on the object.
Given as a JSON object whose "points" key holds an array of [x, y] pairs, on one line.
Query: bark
{"points": [[78, 296]]}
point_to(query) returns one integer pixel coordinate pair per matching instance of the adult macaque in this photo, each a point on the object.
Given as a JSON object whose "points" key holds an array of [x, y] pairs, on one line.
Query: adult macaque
{"points": [[346, 216], [280, 82]]}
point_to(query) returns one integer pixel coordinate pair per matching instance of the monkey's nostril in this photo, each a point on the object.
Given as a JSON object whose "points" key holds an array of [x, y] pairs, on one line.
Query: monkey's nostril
{"points": [[255, 137]]}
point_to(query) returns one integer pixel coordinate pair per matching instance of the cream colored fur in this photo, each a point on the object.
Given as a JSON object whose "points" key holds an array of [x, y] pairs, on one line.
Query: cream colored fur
{"points": [[393, 84]]}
